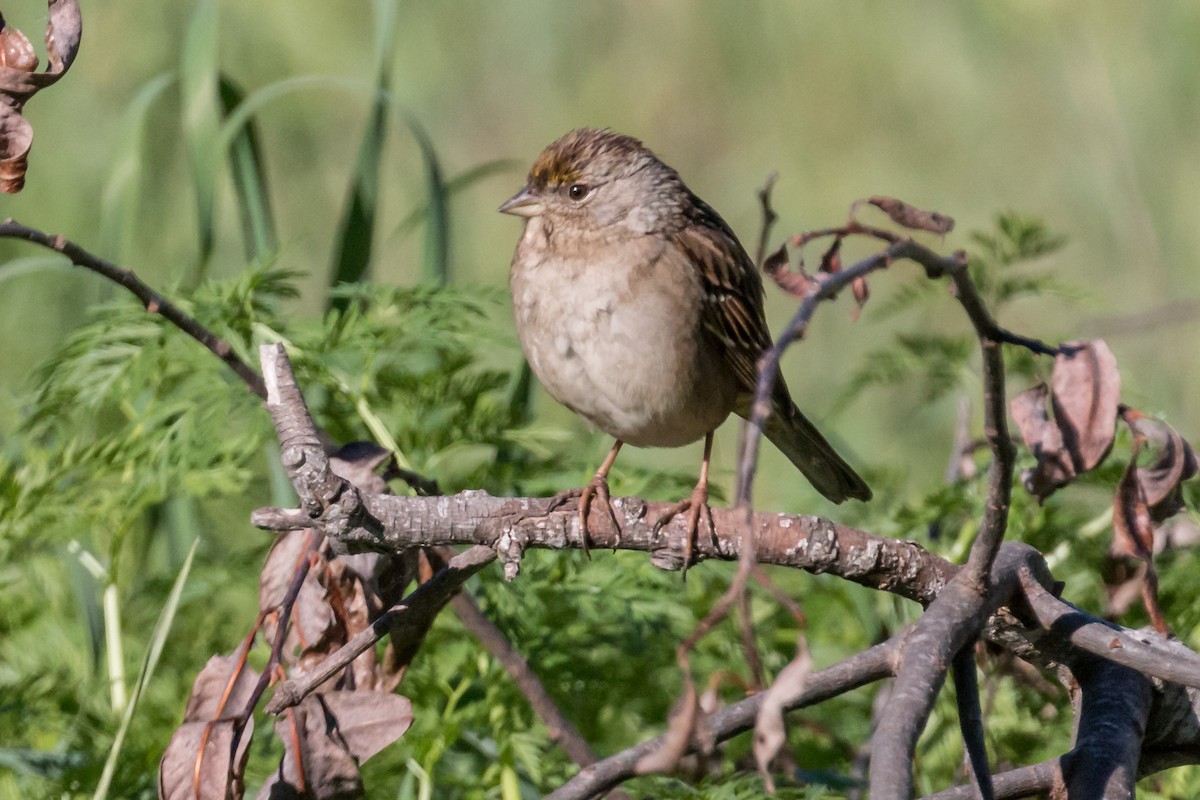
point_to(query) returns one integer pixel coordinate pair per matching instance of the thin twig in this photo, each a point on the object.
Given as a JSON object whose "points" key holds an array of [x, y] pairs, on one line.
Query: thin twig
{"points": [[281, 632], [151, 300], [768, 220]]}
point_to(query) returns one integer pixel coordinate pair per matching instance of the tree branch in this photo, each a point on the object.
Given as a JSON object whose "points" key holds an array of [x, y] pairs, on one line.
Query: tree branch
{"points": [[151, 300]]}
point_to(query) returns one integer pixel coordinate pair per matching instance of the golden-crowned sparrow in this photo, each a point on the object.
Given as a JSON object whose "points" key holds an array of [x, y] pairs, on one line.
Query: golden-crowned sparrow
{"points": [[638, 309]]}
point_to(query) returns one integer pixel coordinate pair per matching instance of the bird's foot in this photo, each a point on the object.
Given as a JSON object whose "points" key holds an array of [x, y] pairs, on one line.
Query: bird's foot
{"points": [[696, 506], [597, 489]]}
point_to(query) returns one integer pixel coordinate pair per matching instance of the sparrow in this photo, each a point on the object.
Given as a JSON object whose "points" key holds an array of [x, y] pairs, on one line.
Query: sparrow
{"points": [[638, 309]]}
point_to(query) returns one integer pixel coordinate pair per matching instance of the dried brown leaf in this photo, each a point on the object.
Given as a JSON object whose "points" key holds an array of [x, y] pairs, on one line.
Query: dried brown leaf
{"points": [[369, 721], [1174, 462], [315, 765], [188, 773], [911, 217], [222, 689], [776, 261], [1042, 436], [769, 730], [1133, 532], [680, 726], [328, 736], [1085, 394], [357, 462], [313, 622], [16, 51], [831, 259], [19, 82], [862, 293]]}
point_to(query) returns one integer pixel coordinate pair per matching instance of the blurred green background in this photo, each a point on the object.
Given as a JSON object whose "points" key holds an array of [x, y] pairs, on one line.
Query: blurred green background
{"points": [[1087, 120], [1084, 119]]}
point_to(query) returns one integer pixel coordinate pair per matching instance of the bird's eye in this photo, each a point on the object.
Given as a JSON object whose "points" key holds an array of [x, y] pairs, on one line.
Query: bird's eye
{"points": [[578, 191]]}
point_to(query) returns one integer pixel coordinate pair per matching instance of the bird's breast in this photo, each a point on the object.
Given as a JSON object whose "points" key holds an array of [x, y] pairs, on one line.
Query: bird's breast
{"points": [[616, 337]]}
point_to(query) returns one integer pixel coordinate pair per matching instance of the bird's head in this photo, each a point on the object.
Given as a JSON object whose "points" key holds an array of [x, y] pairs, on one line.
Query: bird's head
{"points": [[598, 179]]}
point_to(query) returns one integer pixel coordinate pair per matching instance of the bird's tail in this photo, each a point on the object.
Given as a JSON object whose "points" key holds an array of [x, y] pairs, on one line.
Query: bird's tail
{"points": [[804, 445]]}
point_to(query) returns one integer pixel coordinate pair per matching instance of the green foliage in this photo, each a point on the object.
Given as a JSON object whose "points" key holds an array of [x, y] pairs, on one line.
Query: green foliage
{"points": [[132, 440]]}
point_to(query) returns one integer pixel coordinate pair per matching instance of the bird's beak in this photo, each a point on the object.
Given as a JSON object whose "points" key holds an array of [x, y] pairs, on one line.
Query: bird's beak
{"points": [[522, 204]]}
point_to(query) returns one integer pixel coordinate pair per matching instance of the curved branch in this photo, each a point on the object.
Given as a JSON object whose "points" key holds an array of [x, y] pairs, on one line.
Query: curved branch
{"points": [[151, 300]]}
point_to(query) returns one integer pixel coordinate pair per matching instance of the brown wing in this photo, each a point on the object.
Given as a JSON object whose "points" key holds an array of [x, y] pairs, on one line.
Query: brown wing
{"points": [[733, 293], [733, 314]]}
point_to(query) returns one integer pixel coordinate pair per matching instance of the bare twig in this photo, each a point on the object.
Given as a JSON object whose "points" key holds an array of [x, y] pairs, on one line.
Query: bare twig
{"points": [[151, 300], [769, 218], [824, 288], [281, 632]]}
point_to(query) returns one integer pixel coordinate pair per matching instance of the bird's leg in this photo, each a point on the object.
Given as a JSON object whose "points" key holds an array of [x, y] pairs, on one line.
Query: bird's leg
{"points": [[696, 506], [597, 488]]}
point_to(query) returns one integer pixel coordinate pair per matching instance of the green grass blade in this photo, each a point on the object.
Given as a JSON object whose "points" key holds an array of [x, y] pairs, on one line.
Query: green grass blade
{"points": [[249, 177], [239, 117], [119, 199], [86, 589], [356, 230], [436, 263], [357, 226], [202, 120], [460, 182], [158, 639]]}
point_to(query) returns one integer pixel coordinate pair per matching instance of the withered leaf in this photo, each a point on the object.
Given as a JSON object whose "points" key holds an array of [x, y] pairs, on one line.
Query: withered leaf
{"points": [[19, 82], [680, 725], [1133, 531], [1042, 436], [186, 772], [769, 730], [312, 618], [831, 259], [862, 293], [1174, 462], [357, 462], [16, 52], [911, 217], [369, 721], [1085, 393], [328, 736], [1133, 534], [776, 261], [222, 689]]}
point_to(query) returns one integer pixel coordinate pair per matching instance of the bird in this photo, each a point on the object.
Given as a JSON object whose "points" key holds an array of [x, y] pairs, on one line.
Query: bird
{"points": [[637, 308]]}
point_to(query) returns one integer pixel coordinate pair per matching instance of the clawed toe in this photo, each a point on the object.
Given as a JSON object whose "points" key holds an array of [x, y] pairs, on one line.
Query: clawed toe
{"points": [[696, 506], [596, 491]]}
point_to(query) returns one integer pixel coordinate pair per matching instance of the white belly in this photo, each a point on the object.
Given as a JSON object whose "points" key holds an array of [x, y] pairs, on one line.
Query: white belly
{"points": [[628, 357]]}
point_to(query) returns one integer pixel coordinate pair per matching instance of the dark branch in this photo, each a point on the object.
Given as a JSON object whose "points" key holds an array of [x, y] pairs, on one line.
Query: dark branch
{"points": [[151, 300], [769, 218], [970, 720]]}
